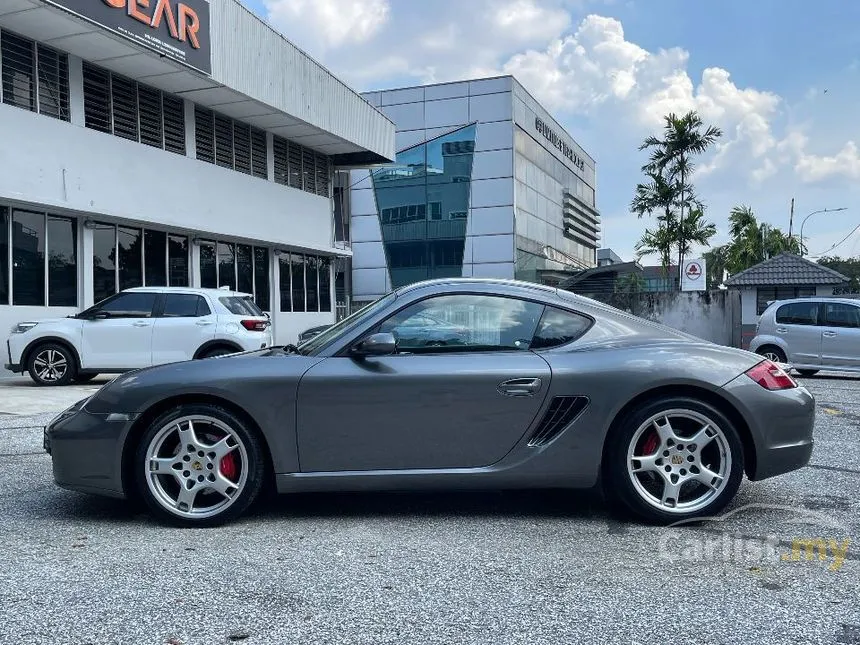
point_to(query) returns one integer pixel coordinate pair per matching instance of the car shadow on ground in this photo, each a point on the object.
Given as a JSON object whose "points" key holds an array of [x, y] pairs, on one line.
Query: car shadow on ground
{"points": [[514, 503]]}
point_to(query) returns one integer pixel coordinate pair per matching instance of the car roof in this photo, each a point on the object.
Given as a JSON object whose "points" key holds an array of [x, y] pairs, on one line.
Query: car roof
{"points": [[843, 300], [212, 293]]}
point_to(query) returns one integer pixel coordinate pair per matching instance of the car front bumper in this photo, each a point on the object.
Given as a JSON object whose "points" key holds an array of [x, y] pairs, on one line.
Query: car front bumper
{"points": [[86, 450], [780, 424]]}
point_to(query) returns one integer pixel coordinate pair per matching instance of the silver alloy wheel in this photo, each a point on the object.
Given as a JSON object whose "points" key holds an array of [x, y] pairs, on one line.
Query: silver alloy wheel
{"points": [[671, 461], [186, 462], [773, 357], [50, 365]]}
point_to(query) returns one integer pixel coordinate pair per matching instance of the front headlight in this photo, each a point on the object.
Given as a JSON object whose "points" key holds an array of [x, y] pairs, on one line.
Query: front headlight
{"points": [[20, 328]]}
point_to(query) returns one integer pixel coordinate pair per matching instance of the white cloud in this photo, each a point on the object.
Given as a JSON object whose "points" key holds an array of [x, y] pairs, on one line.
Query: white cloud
{"points": [[845, 163], [529, 21], [328, 23]]}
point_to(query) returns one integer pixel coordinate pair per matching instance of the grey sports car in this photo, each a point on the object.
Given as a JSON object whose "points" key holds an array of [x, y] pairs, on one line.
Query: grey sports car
{"points": [[539, 388]]}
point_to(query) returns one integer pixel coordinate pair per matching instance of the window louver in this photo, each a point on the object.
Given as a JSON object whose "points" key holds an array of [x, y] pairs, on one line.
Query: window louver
{"points": [[242, 146], [97, 108], [223, 141], [259, 156], [174, 124], [124, 105], [308, 176], [280, 150], [18, 71], [151, 126], [322, 174], [562, 411], [295, 166], [53, 83], [205, 134]]}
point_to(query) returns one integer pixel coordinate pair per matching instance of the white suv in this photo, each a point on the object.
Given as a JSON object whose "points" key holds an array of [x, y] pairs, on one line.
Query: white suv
{"points": [[138, 328]]}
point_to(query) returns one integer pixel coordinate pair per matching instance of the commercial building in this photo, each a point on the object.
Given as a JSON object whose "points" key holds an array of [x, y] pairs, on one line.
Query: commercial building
{"points": [[170, 143], [485, 183]]}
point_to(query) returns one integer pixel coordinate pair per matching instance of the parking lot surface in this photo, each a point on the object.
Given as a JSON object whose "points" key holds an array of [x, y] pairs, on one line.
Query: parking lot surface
{"points": [[519, 567]]}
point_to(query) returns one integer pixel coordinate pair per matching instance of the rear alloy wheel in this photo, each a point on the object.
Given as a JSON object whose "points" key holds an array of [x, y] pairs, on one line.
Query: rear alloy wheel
{"points": [[51, 364], [199, 465], [675, 459], [773, 354]]}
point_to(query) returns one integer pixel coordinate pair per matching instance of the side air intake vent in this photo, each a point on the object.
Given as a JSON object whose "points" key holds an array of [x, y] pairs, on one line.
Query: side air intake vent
{"points": [[562, 411]]}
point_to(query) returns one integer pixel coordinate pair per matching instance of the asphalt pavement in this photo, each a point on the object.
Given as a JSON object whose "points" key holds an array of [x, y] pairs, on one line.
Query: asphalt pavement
{"points": [[519, 567]]}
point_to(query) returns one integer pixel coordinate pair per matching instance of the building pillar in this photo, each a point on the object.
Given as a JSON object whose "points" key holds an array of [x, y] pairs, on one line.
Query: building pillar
{"points": [[86, 294], [275, 296], [194, 269], [76, 91]]}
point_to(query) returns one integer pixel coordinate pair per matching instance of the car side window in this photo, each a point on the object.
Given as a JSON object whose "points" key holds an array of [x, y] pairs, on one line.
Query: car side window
{"points": [[798, 313], [558, 327], [185, 305], [464, 322], [837, 314], [130, 305]]}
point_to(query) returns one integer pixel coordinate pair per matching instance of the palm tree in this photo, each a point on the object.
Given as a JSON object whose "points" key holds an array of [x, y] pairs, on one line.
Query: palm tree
{"points": [[715, 261], [753, 242], [657, 242], [671, 157], [659, 195], [694, 229]]}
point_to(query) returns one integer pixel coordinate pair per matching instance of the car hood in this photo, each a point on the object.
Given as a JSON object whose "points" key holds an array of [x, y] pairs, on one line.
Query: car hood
{"points": [[232, 377]]}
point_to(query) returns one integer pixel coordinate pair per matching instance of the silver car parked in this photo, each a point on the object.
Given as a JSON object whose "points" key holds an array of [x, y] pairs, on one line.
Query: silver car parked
{"points": [[811, 334]]}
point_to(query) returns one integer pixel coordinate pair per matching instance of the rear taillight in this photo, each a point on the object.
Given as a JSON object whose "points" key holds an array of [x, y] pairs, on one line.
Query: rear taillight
{"points": [[255, 325], [771, 376]]}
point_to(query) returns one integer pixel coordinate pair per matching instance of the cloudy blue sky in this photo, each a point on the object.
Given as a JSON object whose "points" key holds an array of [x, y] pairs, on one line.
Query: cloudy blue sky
{"points": [[780, 77]]}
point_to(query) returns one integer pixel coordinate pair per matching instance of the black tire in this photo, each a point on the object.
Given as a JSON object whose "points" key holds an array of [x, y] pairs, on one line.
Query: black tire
{"points": [[807, 372], [618, 481], [52, 354], [773, 350], [217, 351], [255, 467], [85, 378]]}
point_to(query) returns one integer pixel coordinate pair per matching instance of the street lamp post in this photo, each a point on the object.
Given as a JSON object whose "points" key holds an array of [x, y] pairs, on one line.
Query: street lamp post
{"points": [[823, 210]]}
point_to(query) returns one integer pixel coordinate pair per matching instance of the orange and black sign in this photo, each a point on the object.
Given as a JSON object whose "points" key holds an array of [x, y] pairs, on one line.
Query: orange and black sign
{"points": [[176, 29]]}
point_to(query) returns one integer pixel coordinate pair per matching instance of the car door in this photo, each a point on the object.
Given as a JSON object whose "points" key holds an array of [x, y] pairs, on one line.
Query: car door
{"points": [[459, 405], [185, 323], [117, 333], [840, 335], [797, 325]]}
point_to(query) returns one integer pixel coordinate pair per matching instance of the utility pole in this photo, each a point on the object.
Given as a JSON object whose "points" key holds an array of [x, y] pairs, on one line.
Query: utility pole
{"points": [[791, 218]]}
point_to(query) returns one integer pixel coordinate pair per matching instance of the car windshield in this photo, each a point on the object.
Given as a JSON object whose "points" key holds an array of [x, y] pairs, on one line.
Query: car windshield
{"points": [[241, 305], [318, 342]]}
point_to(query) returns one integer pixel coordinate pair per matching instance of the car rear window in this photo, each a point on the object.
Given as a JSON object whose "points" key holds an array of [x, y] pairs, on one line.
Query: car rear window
{"points": [[558, 327], [241, 305]]}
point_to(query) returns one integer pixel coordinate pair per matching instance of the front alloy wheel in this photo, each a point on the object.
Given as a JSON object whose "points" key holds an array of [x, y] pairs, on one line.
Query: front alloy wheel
{"points": [[681, 459], [199, 466], [51, 364]]}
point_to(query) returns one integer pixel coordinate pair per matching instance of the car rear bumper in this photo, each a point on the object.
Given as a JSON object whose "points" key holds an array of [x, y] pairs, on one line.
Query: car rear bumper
{"points": [[780, 425], [86, 451]]}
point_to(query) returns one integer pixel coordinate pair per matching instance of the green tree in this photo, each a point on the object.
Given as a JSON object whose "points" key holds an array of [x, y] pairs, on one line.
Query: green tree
{"points": [[671, 160], [849, 267], [658, 195], [658, 242]]}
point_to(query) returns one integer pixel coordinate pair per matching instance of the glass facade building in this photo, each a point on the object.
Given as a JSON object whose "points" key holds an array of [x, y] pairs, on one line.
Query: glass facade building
{"points": [[485, 184]]}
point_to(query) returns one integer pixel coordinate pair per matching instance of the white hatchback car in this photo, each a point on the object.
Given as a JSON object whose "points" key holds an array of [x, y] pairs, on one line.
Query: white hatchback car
{"points": [[138, 328]]}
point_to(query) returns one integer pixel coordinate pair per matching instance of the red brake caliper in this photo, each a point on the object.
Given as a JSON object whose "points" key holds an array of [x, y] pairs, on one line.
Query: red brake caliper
{"points": [[228, 466], [648, 448]]}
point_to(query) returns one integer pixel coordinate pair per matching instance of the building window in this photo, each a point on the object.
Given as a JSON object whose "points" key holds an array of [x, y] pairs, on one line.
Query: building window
{"points": [[766, 295], [305, 283], [239, 267], [41, 250], [230, 144], [126, 257], [128, 109], [300, 167], [34, 77]]}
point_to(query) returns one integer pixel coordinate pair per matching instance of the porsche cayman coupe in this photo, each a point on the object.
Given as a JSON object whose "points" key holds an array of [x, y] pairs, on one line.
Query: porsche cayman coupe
{"points": [[538, 388]]}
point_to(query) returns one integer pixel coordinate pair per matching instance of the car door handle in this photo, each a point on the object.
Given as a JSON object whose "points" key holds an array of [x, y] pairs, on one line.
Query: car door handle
{"points": [[781, 330], [520, 386], [828, 334], [204, 323], [140, 323]]}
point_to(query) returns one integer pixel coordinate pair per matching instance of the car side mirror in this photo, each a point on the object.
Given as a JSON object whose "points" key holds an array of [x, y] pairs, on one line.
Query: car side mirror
{"points": [[376, 345]]}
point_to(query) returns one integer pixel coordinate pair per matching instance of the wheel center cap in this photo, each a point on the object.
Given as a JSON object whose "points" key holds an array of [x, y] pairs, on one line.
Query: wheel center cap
{"points": [[677, 460], [197, 465]]}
